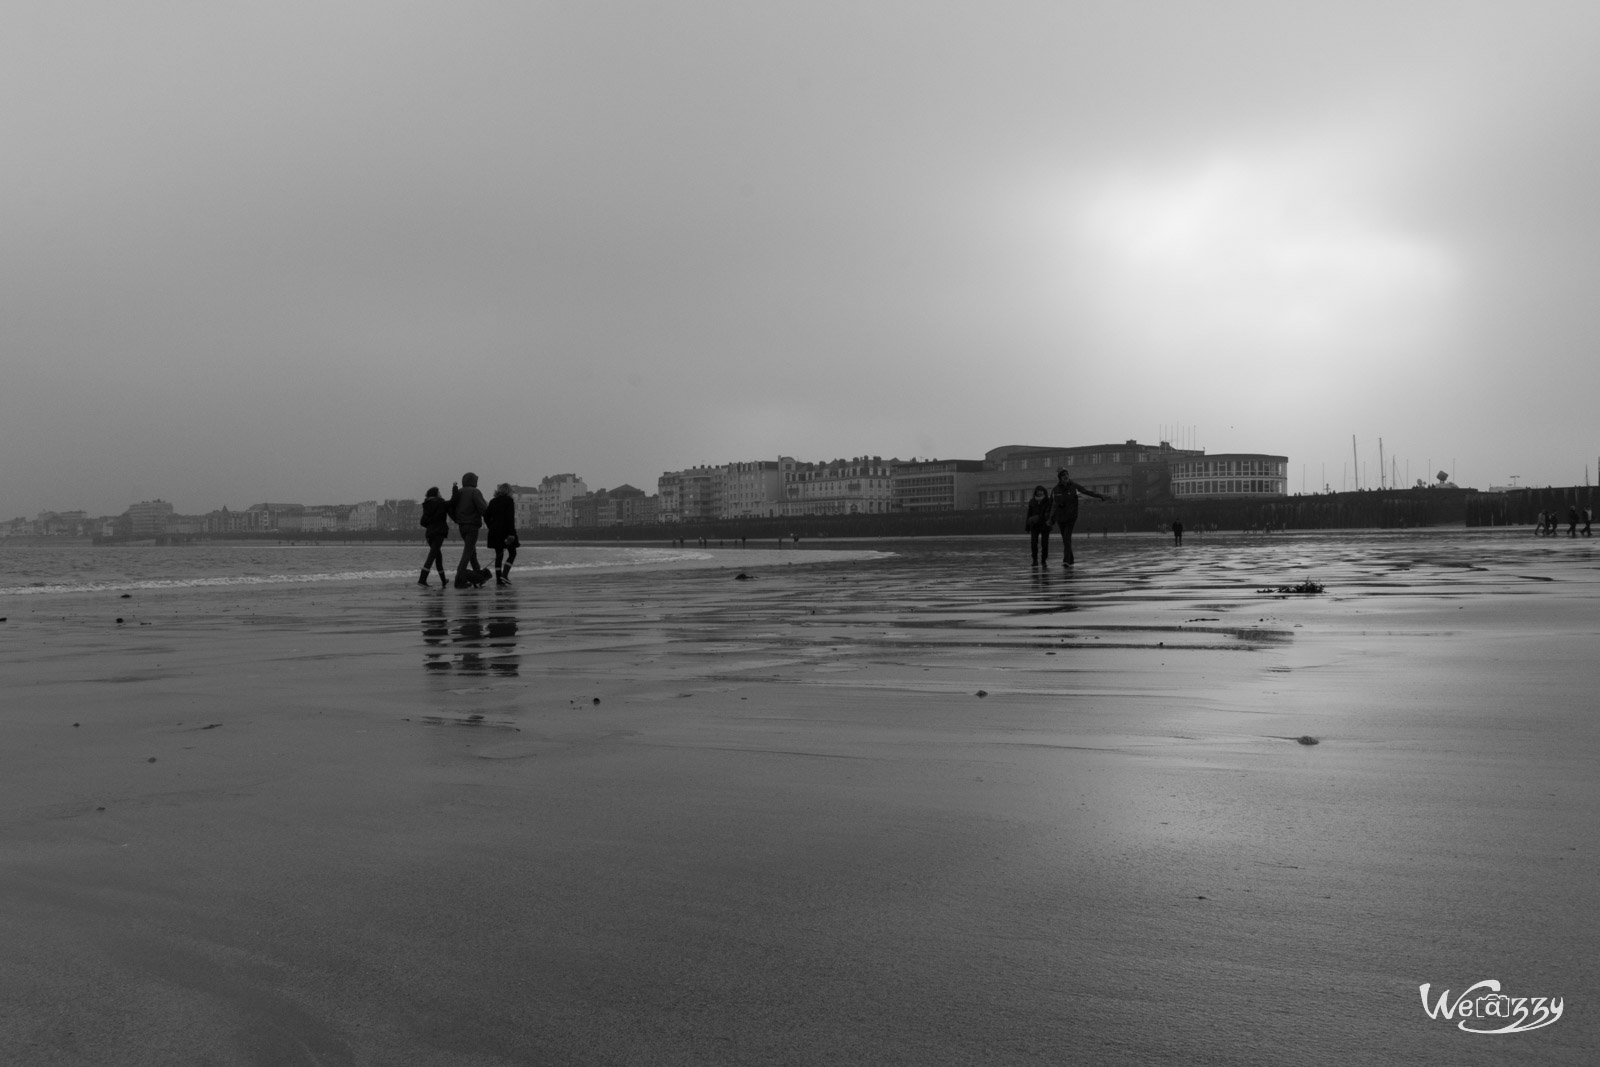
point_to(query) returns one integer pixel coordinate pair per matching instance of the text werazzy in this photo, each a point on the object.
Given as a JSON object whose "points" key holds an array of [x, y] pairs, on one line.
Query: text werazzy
{"points": [[1483, 1009]]}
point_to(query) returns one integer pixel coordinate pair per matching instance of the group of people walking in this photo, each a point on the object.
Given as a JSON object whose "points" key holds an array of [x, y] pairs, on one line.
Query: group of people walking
{"points": [[1550, 522], [1058, 508], [471, 513]]}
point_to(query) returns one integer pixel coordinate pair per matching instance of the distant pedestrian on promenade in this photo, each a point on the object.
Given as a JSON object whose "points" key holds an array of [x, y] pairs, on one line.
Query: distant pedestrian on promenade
{"points": [[1064, 510], [500, 518], [1177, 531], [1038, 524], [1588, 519], [466, 508], [436, 527], [1572, 520]]}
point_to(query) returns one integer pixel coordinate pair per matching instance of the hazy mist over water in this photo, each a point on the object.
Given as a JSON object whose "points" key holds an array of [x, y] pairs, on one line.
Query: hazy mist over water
{"points": [[332, 252]]}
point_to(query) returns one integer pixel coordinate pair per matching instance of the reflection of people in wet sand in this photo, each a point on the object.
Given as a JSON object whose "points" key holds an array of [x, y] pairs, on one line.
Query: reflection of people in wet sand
{"points": [[436, 526], [501, 519], [1038, 524], [466, 508], [1064, 510], [472, 646]]}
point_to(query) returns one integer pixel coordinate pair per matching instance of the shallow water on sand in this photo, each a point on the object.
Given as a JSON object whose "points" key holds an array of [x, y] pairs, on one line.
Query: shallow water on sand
{"points": [[35, 569]]}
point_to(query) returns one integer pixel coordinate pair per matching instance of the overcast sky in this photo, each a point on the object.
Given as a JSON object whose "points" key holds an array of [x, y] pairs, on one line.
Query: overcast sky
{"points": [[328, 252]]}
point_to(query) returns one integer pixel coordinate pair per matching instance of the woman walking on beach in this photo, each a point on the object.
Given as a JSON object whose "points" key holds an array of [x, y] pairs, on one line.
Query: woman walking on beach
{"points": [[466, 508], [501, 520], [436, 526], [1038, 524], [1064, 510]]}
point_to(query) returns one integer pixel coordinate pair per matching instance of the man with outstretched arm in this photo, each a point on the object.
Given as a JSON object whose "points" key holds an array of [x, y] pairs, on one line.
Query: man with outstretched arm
{"points": [[1064, 510]]}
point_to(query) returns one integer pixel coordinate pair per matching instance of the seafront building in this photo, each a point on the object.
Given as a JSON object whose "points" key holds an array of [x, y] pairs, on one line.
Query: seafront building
{"points": [[936, 484], [363, 516], [1230, 474], [148, 518], [525, 505], [1131, 472], [693, 494], [862, 485], [754, 489], [556, 494]]}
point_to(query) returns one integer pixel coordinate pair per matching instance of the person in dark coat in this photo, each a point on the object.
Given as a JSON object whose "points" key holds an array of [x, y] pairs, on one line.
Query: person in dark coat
{"points": [[1038, 524], [500, 519], [466, 508], [1177, 531], [1064, 509], [436, 527]]}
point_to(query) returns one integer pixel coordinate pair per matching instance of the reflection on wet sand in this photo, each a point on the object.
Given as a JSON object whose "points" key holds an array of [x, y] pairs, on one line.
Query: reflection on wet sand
{"points": [[471, 643]]}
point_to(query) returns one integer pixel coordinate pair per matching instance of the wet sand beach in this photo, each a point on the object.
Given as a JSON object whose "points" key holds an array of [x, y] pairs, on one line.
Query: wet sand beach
{"points": [[934, 807]]}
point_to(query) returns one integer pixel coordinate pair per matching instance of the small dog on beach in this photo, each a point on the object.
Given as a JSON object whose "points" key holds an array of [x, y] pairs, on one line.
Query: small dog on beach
{"points": [[467, 578]]}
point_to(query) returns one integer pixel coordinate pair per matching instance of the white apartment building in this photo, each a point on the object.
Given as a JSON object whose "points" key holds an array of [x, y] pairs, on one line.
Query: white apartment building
{"points": [[525, 500], [693, 494], [669, 491], [754, 489], [364, 516], [556, 494], [859, 486]]}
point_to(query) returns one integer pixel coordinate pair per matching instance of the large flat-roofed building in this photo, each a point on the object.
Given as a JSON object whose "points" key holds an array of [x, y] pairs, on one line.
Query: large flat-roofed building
{"points": [[1230, 474], [937, 484], [1127, 473], [149, 517]]}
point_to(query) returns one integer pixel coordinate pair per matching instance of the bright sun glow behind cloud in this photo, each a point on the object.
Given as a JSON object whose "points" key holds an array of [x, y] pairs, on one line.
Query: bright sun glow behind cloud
{"points": [[1277, 263]]}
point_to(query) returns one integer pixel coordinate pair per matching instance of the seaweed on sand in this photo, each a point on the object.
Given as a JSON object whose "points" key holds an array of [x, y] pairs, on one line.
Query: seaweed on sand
{"points": [[1308, 587]]}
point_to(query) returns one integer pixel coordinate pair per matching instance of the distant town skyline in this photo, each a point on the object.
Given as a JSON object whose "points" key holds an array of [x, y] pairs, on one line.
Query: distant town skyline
{"points": [[341, 249], [1397, 471], [1127, 471]]}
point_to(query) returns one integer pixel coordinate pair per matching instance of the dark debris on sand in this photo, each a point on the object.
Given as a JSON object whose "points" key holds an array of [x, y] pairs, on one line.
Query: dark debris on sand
{"points": [[1308, 587]]}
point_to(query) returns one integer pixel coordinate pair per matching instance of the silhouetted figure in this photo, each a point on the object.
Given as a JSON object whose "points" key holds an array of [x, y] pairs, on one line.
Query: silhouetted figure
{"points": [[1064, 510], [466, 508], [500, 518], [1572, 520], [1177, 531], [436, 527], [1038, 524]]}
